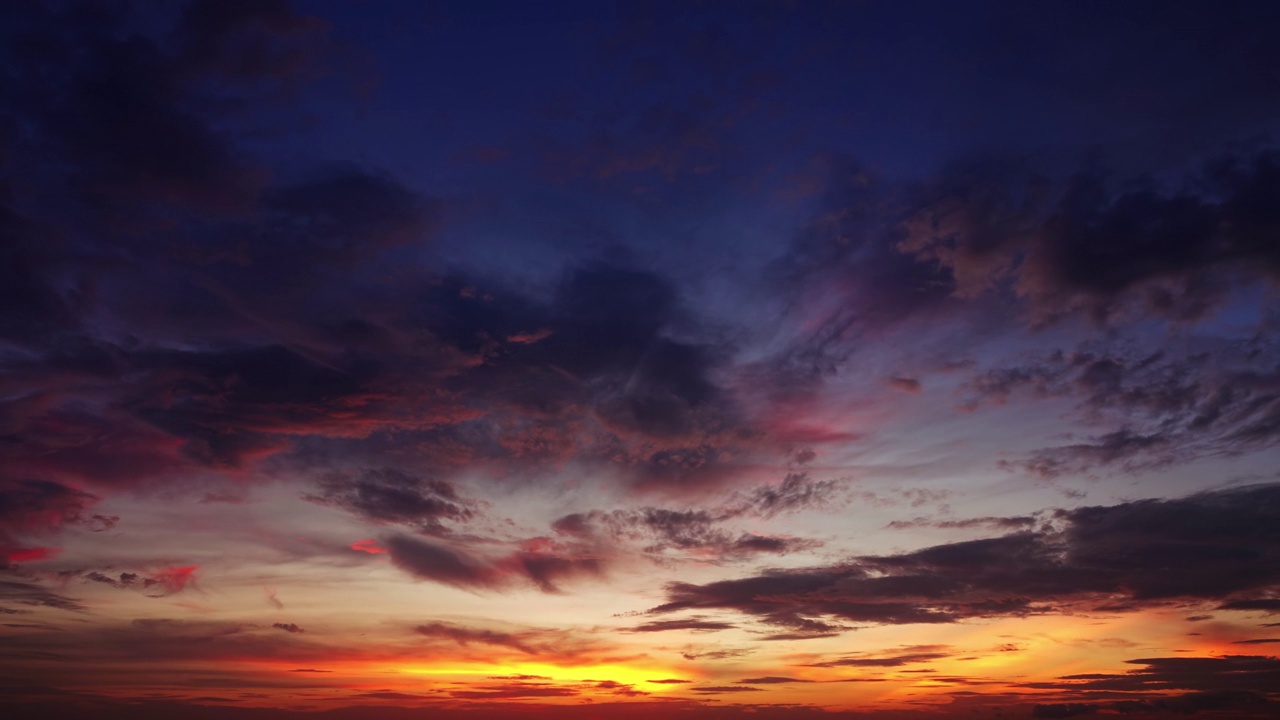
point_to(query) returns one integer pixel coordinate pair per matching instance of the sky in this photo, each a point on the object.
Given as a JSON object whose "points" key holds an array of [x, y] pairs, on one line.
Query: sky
{"points": [[805, 360]]}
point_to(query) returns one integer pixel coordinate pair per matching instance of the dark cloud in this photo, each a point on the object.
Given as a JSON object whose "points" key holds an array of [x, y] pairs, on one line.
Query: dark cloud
{"points": [[811, 631], [848, 249], [39, 507], [701, 532], [164, 639], [797, 492], [994, 523], [136, 137], [714, 654], [717, 689], [548, 569], [253, 313], [389, 495], [1123, 551], [1250, 703], [530, 641], [442, 564], [162, 582], [1155, 408], [288, 627], [604, 343], [23, 593], [694, 624], [909, 656], [1226, 674], [343, 216], [231, 405], [389, 695], [1268, 605], [1101, 248], [514, 690], [905, 384], [618, 688], [995, 237], [131, 109], [771, 680]]}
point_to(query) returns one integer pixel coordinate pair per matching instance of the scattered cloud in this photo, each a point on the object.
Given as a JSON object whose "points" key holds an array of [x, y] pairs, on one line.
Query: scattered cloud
{"points": [[1110, 553]]}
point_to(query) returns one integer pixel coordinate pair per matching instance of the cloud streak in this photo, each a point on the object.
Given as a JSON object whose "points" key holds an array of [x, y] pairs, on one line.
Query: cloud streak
{"points": [[1095, 557]]}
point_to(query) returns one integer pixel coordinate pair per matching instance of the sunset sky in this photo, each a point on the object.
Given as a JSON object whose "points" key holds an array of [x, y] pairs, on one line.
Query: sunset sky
{"points": [[625, 360]]}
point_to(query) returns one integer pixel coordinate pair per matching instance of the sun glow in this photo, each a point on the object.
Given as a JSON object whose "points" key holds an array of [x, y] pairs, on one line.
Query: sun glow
{"points": [[624, 674]]}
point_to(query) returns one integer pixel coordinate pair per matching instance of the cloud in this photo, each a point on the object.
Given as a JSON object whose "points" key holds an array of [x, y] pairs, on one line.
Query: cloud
{"points": [[1268, 605], [904, 384], [29, 594], [797, 492], [529, 641], [514, 690], [1096, 556], [995, 523], [548, 569], [433, 561], [923, 653], [389, 695], [1254, 704], [1152, 409], [538, 562], [1229, 673], [1088, 248], [714, 654], [717, 689], [389, 495], [694, 624], [164, 639], [701, 532], [163, 582], [41, 506]]}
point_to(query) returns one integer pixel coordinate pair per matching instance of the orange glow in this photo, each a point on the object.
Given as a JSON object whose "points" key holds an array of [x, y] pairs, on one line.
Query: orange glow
{"points": [[625, 674], [408, 675]]}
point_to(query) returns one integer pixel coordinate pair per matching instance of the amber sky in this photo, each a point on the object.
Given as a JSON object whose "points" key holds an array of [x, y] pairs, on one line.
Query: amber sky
{"points": [[709, 360]]}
